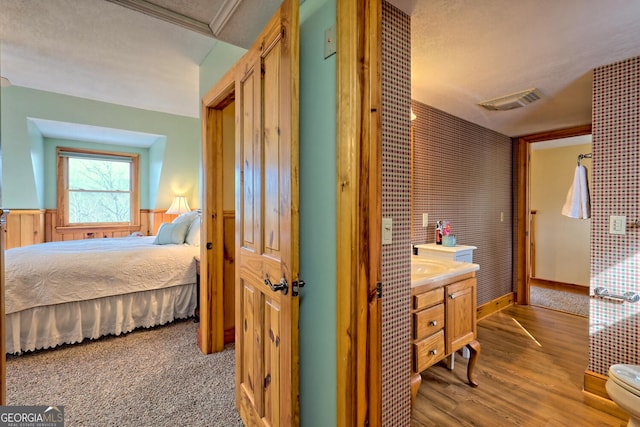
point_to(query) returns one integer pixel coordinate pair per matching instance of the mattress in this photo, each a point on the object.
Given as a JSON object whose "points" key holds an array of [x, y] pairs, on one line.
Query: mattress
{"points": [[64, 292]]}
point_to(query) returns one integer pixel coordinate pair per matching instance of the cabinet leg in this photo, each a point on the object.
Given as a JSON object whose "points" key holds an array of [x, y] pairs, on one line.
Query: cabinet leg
{"points": [[474, 349], [416, 380]]}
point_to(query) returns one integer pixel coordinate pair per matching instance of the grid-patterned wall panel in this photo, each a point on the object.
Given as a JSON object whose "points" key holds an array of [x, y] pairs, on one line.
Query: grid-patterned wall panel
{"points": [[396, 257], [462, 173], [615, 259]]}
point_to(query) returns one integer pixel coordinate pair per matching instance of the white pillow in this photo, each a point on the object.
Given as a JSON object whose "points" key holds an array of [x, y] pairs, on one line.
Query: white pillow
{"points": [[171, 234], [193, 235], [187, 217]]}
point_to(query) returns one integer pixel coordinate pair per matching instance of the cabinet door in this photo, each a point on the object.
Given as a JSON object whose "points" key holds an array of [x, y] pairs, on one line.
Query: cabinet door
{"points": [[460, 314]]}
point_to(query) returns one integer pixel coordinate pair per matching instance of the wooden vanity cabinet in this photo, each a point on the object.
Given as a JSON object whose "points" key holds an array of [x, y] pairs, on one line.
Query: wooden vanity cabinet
{"points": [[444, 321]]}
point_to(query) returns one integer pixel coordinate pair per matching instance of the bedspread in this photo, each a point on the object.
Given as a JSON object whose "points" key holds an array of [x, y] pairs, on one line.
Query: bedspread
{"points": [[77, 270]]}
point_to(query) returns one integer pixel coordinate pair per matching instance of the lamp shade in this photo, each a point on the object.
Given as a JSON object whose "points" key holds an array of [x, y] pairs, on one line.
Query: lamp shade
{"points": [[178, 206]]}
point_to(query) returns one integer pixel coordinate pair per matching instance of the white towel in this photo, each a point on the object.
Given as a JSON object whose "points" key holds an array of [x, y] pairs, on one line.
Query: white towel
{"points": [[578, 204]]}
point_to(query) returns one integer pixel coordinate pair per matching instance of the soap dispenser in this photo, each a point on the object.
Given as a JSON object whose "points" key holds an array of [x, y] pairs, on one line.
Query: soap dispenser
{"points": [[438, 233]]}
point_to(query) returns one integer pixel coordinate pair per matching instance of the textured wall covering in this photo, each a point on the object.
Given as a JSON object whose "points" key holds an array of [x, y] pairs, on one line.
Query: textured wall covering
{"points": [[615, 259], [396, 258], [462, 173]]}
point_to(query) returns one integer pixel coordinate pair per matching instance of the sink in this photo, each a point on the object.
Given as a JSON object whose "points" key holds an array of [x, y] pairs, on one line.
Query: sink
{"points": [[428, 266], [425, 270]]}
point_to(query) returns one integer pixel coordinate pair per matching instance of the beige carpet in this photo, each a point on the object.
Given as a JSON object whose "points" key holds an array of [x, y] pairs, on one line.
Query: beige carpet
{"points": [[568, 302], [150, 377]]}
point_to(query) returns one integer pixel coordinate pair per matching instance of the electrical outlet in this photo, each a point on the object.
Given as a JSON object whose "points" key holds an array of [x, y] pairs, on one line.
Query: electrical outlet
{"points": [[425, 219]]}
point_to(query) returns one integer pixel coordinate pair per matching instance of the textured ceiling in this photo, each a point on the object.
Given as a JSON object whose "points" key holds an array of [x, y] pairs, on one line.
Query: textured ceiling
{"points": [[463, 52], [467, 51], [99, 50]]}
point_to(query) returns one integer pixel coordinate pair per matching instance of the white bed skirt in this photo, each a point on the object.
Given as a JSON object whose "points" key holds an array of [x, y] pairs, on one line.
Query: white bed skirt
{"points": [[45, 327]]}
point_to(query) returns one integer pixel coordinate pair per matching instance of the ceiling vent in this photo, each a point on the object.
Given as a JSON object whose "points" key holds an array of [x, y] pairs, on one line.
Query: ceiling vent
{"points": [[515, 100]]}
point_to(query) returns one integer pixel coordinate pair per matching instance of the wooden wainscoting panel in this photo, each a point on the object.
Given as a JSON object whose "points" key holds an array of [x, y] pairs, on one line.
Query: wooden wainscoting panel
{"points": [[24, 227], [150, 221], [27, 227], [160, 216], [146, 222]]}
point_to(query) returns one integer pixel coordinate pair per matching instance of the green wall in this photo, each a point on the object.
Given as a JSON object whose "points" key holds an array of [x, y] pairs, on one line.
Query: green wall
{"points": [[24, 175], [221, 58], [317, 217]]}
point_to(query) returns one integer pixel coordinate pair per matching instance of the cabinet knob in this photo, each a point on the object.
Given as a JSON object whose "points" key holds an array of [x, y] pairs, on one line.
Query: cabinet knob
{"points": [[433, 352], [433, 323], [452, 296]]}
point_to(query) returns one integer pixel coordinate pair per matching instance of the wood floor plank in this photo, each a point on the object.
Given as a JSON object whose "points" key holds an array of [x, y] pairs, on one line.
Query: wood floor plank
{"points": [[530, 374]]}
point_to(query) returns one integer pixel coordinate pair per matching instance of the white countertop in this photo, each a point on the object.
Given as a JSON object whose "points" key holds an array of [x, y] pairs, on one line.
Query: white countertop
{"points": [[434, 247], [426, 270]]}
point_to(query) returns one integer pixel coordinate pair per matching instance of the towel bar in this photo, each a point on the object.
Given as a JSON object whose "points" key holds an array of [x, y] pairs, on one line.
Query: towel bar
{"points": [[583, 156], [627, 296]]}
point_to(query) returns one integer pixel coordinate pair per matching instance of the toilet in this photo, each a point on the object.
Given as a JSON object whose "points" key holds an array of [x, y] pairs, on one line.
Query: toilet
{"points": [[623, 387]]}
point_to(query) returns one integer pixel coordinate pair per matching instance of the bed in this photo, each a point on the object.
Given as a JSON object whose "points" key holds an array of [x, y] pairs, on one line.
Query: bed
{"points": [[64, 292]]}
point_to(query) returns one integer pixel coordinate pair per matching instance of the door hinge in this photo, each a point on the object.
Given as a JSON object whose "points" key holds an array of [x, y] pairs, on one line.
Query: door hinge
{"points": [[379, 290], [295, 287]]}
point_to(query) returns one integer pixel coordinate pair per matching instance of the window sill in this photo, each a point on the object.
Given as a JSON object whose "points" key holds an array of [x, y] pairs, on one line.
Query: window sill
{"points": [[92, 228]]}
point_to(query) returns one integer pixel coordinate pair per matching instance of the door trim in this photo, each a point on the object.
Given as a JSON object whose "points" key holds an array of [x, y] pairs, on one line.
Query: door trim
{"points": [[523, 188], [359, 213], [3, 355], [211, 329]]}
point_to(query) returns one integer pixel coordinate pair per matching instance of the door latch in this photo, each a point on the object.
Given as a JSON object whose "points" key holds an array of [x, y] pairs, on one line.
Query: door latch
{"points": [[295, 287]]}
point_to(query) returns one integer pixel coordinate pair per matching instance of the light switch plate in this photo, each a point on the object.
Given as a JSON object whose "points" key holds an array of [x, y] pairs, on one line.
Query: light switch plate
{"points": [[425, 219], [329, 41], [617, 224], [387, 231]]}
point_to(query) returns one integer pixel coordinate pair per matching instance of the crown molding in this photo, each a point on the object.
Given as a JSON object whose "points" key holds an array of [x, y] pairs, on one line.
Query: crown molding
{"points": [[167, 15]]}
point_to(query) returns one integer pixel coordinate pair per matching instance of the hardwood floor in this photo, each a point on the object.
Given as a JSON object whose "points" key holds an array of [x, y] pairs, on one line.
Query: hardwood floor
{"points": [[521, 382]]}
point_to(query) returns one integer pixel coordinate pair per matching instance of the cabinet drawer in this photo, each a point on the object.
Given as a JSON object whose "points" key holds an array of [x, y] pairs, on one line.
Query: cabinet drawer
{"points": [[428, 299], [426, 322], [428, 351]]}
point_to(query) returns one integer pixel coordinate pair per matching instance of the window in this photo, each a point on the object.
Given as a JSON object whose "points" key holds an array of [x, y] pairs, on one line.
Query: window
{"points": [[97, 188]]}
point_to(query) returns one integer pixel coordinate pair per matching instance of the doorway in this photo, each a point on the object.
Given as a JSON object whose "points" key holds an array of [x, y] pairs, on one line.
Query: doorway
{"points": [[560, 230], [527, 246]]}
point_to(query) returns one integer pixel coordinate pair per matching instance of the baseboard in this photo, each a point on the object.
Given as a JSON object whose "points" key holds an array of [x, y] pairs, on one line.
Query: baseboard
{"points": [[597, 397], [495, 305], [559, 286], [595, 384]]}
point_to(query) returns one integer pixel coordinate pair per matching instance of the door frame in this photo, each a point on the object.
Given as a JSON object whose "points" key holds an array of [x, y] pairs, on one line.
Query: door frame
{"points": [[211, 338], [359, 213], [523, 190], [3, 355]]}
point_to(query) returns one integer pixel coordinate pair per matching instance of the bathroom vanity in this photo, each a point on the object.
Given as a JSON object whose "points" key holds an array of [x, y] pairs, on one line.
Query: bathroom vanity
{"points": [[443, 310]]}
